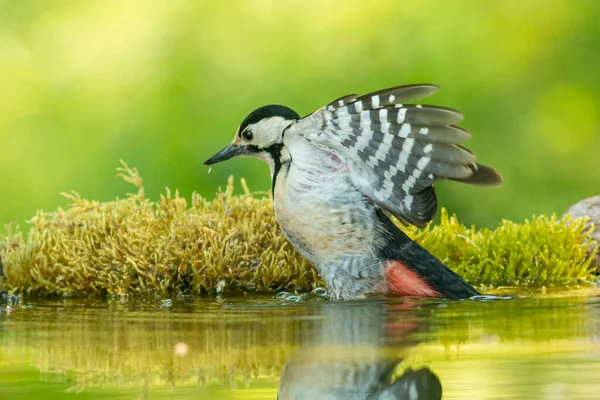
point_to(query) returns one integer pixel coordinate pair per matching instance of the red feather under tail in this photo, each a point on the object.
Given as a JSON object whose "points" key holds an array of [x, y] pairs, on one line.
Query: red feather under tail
{"points": [[403, 281]]}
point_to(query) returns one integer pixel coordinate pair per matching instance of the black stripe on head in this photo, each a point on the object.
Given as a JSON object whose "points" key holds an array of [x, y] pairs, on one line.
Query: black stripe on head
{"points": [[272, 110]]}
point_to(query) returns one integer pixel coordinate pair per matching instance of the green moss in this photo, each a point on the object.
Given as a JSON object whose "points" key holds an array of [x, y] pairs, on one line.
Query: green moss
{"points": [[233, 242]]}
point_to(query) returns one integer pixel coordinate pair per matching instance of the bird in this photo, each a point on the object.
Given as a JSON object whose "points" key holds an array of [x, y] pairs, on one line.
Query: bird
{"points": [[340, 174]]}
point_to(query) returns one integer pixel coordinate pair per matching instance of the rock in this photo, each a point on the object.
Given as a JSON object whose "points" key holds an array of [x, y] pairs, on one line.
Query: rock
{"points": [[590, 208]]}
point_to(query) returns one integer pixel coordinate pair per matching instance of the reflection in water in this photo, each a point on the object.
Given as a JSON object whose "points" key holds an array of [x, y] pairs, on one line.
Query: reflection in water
{"points": [[353, 354], [545, 347]]}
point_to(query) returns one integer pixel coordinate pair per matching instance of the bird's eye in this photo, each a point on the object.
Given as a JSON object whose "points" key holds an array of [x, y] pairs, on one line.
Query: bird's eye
{"points": [[247, 135]]}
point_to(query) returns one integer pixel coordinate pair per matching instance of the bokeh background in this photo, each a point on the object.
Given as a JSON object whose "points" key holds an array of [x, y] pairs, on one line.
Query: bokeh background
{"points": [[163, 84]]}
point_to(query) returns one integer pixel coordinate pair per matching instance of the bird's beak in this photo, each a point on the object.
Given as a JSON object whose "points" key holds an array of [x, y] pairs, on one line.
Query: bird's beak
{"points": [[228, 152]]}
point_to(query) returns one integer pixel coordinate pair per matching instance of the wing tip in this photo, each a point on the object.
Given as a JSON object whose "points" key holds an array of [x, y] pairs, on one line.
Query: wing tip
{"points": [[466, 134], [431, 86], [424, 90]]}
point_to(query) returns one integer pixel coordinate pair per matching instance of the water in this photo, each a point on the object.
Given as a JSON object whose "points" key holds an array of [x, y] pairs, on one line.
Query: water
{"points": [[523, 347]]}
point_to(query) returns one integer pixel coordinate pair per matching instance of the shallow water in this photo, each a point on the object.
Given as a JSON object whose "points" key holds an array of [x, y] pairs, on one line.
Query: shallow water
{"points": [[524, 347]]}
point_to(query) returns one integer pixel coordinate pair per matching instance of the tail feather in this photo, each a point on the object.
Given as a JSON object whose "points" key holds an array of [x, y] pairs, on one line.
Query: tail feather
{"points": [[414, 271], [482, 176]]}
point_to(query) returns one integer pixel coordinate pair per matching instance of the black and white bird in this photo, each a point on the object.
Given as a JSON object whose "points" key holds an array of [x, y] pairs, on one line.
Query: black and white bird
{"points": [[339, 172]]}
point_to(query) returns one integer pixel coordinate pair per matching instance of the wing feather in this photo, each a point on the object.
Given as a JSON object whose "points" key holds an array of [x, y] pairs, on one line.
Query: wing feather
{"points": [[337, 103], [398, 113], [448, 134], [397, 95], [395, 152]]}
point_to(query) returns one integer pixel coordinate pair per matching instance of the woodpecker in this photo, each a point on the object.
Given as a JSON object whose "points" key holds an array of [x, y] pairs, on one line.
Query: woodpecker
{"points": [[339, 173]]}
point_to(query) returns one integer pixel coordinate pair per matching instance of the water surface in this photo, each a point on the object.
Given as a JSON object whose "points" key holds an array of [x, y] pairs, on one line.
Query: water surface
{"points": [[529, 346]]}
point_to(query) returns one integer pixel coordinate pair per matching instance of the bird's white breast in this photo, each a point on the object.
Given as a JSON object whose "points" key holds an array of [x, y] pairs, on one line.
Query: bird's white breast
{"points": [[320, 210]]}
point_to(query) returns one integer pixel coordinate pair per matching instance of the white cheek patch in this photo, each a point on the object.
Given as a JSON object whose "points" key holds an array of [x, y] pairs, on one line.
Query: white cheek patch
{"points": [[267, 131]]}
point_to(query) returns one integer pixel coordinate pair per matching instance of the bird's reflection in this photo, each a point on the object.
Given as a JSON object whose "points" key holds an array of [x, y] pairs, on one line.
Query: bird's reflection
{"points": [[355, 352]]}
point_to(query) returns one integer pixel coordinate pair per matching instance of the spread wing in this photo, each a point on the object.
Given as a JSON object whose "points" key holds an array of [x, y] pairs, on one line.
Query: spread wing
{"points": [[395, 152]]}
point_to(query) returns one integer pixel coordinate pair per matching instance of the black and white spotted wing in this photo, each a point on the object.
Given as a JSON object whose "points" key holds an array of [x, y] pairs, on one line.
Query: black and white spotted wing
{"points": [[342, 101], [395, 151]]}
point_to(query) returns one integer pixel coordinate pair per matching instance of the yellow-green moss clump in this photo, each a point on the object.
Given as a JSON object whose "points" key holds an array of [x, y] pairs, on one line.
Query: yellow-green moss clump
{"points": [[233, 243]]}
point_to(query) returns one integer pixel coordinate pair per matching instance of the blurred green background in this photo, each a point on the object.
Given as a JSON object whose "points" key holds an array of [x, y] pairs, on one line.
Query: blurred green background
{"points": [[163, 84]]}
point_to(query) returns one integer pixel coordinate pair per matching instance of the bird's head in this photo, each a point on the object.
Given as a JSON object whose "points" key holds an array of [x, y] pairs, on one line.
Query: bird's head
{"points": [[259, 135]]}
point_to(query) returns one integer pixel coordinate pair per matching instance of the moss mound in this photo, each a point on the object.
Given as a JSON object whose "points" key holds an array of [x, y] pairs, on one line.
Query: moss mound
{"points": [[233, 243]]}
